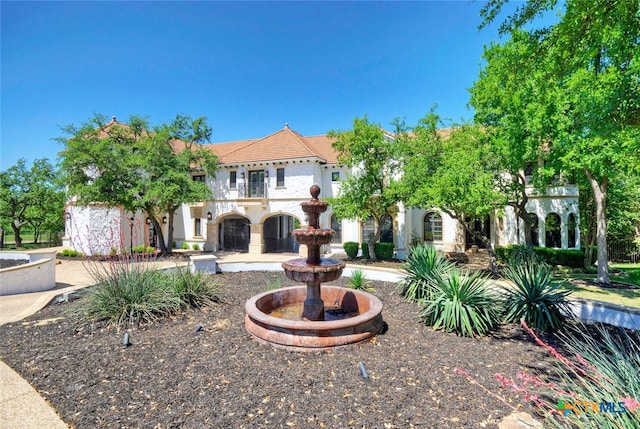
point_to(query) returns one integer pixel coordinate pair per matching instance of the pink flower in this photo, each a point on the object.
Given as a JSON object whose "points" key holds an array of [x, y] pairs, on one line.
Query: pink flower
{"points": [[630, 403]]}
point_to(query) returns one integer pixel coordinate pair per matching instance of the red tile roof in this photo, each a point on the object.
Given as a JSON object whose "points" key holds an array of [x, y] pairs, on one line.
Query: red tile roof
{"points": [[282, 145]]}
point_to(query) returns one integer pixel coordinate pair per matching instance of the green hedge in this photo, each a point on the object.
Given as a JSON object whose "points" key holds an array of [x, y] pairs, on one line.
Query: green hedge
{"points": [[351, 249], [365, 251], [384, 251], [566, 257]]}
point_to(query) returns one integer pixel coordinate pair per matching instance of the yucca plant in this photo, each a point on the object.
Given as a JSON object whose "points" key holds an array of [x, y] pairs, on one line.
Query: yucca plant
{"points": [[462, 303], [130, 296], [535, 296], [359, 281], [194, 289], [422, 264]]}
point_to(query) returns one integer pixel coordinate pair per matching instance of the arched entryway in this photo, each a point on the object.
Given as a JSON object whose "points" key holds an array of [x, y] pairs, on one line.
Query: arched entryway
{"points": [[481, 227], [234, 234], [278, 237], [552, 231]]}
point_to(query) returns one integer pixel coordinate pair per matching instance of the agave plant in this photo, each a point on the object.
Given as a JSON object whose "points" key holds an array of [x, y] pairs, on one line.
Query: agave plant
{"points": [[462, 303], [422, 265], [535, 296], [360, 281]]}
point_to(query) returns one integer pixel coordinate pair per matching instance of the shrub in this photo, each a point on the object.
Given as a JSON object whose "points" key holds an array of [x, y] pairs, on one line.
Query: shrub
{"points": [[595, 383], [515, 254], [71, 253], [195, 246], [421, 265], [359, 281], [536, 298], [461, 303], [599, 368], [351, 249], [194, 289], [566, 257], [185, 245], [143, 249], [384, 251], [365, 251], [130, 294]]}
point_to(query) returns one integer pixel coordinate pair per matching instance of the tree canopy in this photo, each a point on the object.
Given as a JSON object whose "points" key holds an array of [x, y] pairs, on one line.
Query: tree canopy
{"points": [[370, 190], [580, 97], [139, 168], [31, 196]]}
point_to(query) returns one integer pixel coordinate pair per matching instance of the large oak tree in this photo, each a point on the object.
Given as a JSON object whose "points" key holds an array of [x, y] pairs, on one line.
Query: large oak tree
{"points": [[138, 168], [587, 87]]}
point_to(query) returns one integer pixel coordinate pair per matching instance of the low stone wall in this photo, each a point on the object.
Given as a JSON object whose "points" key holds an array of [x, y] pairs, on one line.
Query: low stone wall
{"points": [[594, 311], [37, 275]]}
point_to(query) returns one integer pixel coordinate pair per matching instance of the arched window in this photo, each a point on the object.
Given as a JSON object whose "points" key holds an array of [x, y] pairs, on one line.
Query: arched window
{"points": [[552, 230], [535, 229], [432, 228], [386, 229], [572, 226], [336, 225]]}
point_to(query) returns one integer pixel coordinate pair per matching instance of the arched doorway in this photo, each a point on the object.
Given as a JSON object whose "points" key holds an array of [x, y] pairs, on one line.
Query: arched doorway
{"points": [[481, 227], [234, 234], [552, 231], [278, 237]]}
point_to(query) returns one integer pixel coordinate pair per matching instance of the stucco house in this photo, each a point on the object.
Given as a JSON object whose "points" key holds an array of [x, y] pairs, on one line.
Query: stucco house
{"points": [[257, 192]]}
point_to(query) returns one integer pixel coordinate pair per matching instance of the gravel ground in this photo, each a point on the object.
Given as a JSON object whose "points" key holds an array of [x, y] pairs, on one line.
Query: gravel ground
{"points": [[172, 376]]}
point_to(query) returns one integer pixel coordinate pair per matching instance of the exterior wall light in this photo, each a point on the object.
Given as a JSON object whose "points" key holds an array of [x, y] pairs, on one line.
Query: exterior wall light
{"points": [[148, 221], [209, 216], [164, 219]]}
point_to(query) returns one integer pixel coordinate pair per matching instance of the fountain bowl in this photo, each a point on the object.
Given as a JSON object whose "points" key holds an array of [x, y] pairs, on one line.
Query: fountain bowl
{"points": [[304, 335]]}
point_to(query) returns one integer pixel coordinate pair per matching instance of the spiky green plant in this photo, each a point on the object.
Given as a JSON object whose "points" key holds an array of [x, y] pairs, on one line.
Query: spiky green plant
{"points": [[130, 295], [422, 264], [194, 289], [462, 303], [359, 281], [535, 296]]}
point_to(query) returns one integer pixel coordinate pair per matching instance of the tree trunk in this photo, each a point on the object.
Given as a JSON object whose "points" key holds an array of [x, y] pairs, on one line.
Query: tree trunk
{"points": [[493, 264], [17, 238], [600, 198], [373, 240]]}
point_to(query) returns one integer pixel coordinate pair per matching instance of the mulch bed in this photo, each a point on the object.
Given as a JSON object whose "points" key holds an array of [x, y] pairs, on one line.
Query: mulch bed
{"points": [[174, 376]]}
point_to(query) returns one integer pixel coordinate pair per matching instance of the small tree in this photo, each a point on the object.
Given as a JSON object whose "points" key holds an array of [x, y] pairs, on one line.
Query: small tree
{"points": [[370, 190], [453, 172], [31, 197]]}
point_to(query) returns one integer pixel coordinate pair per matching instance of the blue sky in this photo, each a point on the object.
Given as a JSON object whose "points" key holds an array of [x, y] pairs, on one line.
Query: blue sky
{"points": [[249, 67]]}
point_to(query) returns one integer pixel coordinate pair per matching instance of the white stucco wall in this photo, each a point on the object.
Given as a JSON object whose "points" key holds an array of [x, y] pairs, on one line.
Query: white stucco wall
{"points": [[94, 229], [37, 275]]}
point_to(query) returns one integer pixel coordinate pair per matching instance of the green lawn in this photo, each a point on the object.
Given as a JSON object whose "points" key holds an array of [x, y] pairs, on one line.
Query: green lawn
{"points": [[626, 297]]}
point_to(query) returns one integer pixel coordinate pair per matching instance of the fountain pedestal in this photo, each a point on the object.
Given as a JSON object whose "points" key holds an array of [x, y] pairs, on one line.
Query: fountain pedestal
{"points": [[312, 331]]}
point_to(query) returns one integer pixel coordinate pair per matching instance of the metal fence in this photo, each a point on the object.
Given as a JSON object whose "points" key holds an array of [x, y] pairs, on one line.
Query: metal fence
{"points": [[623, 251]]}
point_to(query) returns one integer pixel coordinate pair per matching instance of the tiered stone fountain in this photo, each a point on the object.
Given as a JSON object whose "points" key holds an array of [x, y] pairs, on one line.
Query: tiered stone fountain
{"points": [[296, 317]]}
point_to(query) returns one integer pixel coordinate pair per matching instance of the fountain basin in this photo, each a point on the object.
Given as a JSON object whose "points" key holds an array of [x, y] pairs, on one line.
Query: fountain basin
{"points": [[328, 270], [303, 335]]}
